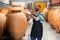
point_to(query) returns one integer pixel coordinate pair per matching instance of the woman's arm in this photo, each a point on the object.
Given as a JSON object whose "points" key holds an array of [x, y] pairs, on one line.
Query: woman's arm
{"points": [[34, 17], [28, 14], [40, 17]]}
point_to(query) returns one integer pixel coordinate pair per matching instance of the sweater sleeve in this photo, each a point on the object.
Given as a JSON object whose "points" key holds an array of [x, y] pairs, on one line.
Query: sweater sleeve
{"points": [[40, 17]]}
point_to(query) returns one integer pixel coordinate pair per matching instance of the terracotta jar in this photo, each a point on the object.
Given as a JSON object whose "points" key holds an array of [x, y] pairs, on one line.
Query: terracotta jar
{"points": [[5, 10], [53, 18], [46, 11], [19, 7], [16, 23], [59, 20], [2, 23]]}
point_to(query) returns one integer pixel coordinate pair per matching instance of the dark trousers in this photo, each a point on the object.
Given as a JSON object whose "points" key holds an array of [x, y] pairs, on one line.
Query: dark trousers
{"points": [[34, 38]]}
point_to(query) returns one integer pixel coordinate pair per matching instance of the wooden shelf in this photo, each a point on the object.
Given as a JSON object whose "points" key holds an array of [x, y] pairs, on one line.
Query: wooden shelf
{"points": [[54, 2]]}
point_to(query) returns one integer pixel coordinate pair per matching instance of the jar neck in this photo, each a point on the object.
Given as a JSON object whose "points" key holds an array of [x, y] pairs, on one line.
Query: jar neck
{"points": [[15, 11]]}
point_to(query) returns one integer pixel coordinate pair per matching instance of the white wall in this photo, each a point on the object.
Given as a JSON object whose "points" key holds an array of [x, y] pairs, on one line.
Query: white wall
{"points": [[48, 3], [25, 4], [29, 0], [5, 1], [19, 3]]}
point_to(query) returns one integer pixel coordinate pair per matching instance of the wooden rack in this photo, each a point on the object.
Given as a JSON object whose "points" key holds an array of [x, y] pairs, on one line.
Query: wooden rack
{"points": [[55, 3]]}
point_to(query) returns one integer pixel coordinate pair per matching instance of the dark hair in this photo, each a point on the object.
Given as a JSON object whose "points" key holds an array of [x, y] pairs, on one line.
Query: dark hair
{"points": [[39, 6]]}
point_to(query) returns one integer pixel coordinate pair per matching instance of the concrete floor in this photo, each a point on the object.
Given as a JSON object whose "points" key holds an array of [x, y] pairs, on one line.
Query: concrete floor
{"points": [[48, 32]]}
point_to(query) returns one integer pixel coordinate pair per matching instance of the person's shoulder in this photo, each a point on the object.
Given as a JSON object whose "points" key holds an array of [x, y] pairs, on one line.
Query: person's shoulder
{"points": [[41, 13]]}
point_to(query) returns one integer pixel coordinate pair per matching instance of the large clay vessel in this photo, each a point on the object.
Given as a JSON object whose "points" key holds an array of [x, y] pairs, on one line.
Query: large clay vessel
{"points": [[46, 11], [2, 23], [5, 10], [16, 23], [53, 18], [19, 7], [59, 21], [50, 16]]}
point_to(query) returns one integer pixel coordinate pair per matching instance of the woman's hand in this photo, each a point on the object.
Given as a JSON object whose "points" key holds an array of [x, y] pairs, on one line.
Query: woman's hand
{"points": [[34, 17]]}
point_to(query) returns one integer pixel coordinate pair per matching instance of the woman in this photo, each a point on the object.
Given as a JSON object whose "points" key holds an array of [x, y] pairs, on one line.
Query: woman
{"points": [[37, 28]]}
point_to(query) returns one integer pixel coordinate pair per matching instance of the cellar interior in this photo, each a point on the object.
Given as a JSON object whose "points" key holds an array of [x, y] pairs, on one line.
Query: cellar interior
{"points": [[29, 19]]}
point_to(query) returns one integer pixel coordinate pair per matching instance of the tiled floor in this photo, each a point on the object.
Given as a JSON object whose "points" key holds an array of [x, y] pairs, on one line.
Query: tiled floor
{"points": [[48, 32]]}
